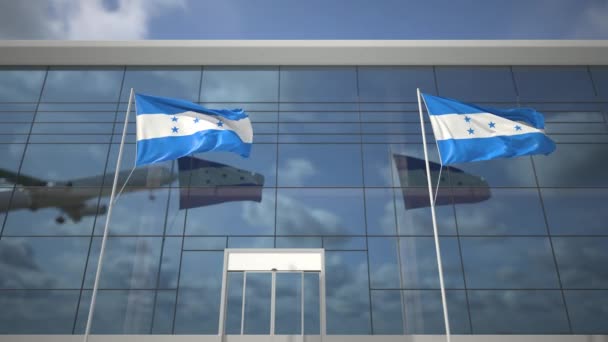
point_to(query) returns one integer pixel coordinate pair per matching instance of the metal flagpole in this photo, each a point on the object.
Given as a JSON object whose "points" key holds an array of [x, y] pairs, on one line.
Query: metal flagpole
{"points": [[435, 233], [105, 230]]}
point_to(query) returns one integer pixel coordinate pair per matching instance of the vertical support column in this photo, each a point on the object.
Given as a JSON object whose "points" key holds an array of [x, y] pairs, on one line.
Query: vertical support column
{"points": [[243, 303], [302, 304], [273, 300], [322, 296], [222, 319]]}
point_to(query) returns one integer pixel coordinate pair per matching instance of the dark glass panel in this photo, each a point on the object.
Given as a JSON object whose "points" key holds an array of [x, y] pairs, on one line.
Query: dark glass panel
{"points": [[424, 312], [161, 174], [576, 128], [250, 242], [70, 139], [383, 263], [298, 242], [394, 84], [178, 82], [320, 212], [288, 314], [128, 263], [319, 107], [347, 298], [324, 117], [240, 84], [397, 116], [71, 128], [18, 106], [319, 128], [513, 172], [37, 311], [419, 263], [246, 106], [318, 84], [204, 243], [83, 107], [15, 128], [238, 217], [517, 312], [505, 212], [416, 219], [262, 116], [387, 313], [21, 85], [344, 243], [576, 211], [234, 304], [42, 262], [588, 311], [82, 85], [508, 263], [176, 217], [320, 165], [117, 312], [16, 116], [312, 305], [564, 83], [97, 117], [573, 165], [380, 212], [582, 261], [319, 138], [257, 303], [600, 80], [198, 301], [9, 163], [169, 268], [164, 311], [476, 84], [573, 116]]}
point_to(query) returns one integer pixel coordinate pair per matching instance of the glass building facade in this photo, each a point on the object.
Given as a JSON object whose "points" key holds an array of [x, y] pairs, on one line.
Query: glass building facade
{"points": [[337, 154]]}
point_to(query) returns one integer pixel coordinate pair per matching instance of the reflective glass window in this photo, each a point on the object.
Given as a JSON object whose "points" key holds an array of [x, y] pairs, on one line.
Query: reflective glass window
{"points": [[15, 128], [234, 303], [318, 84], [169, 268], [576, 211], [16, 116], [424, 312], [582, 261], [204, 243], [76, 116], [42, 262], [573, 165], [419, 263], [164, 311], [383, 263], [320, 165], [257, 303], [508, 263], [512, 172], [414, 214], [38, 311], [600, 80], [587, 311], [387, 313], [82, 85], [250, 242], [288, 312], [11, 158], [500, 212], [180, 82], [347, 293], [240, 84], [564, 83], [344, 243], [517, 312], [298, 242], [21, 85], [476, 83], [380, 211], [320, 212], [394, 84]]}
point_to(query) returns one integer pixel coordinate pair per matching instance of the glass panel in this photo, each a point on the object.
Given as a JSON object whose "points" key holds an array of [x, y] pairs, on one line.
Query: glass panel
{"points": [[169, 268], [163, 312], [564, 83], [20, 85], [71, 128], [476, 84], [42, 263], [318, 84], [582, 262], [383, 263], [387, 315], [576, 211], [82, 85], [573, 165], [312, 304], [250, 242], [394, 84], [424, 312], [198, 302], [38, 311], [508, 263], [320, 212], [15, 128], [320, 128], [380, 212], [298, 117], [204, 243], [600, 79], [347, 298], [414, 218], [344, 243], [234, 305], [419, 263], [320, 165], [16, 116], [181, 82], [298, 242], [513, 172], [129, 263], [9, 163], [587, 311], [506, 212], [517, 312], [77, 116], [240, 84], [288, 313], [257, 304], [578, 116]]}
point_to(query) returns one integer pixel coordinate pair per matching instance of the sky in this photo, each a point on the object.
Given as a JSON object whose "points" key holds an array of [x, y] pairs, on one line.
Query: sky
{"points": [[299, 19]]}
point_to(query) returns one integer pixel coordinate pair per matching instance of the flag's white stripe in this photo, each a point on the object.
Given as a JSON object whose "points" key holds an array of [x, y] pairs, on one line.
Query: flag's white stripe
{"points": [[455, 126], [150, 126]]}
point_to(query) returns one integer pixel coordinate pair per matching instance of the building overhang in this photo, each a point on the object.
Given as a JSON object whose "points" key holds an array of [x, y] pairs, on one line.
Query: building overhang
{"points": [[304, 52]]}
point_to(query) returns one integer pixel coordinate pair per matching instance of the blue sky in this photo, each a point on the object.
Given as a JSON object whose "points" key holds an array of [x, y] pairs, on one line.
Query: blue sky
{"points": [[309, 19]]}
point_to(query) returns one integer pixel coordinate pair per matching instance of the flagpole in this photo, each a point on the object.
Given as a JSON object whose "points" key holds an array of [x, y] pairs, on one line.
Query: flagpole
{"points": [[435, 233], [105, 230]]}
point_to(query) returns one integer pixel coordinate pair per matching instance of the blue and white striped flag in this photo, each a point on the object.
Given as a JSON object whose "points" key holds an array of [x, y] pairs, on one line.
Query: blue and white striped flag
{"points": [[171, 128], [466, 132]]}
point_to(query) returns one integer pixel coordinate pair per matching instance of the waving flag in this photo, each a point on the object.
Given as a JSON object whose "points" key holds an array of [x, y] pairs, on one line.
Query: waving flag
{"points": [[171, 128], [466, 132]]}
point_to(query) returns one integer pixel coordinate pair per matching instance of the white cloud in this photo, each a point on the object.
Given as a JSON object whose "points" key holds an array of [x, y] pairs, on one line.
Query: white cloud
{"points": [[296, 171], [593, 22], [81, 19]]}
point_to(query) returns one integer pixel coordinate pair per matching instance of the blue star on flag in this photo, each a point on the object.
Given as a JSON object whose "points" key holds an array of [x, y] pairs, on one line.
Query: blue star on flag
{"points": [[492, 124], [517, 127], [471, 131], [220, 124], [196, 120], [467, 119], [174, 129], [174, 118]]}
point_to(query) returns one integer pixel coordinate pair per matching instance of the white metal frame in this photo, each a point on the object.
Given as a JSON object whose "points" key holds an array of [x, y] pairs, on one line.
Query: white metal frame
{"points": [[273, 260]]}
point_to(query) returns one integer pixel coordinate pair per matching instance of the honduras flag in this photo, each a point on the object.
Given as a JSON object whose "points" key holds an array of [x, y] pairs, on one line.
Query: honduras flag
{"points": [[466, 132], [171, 128]]}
